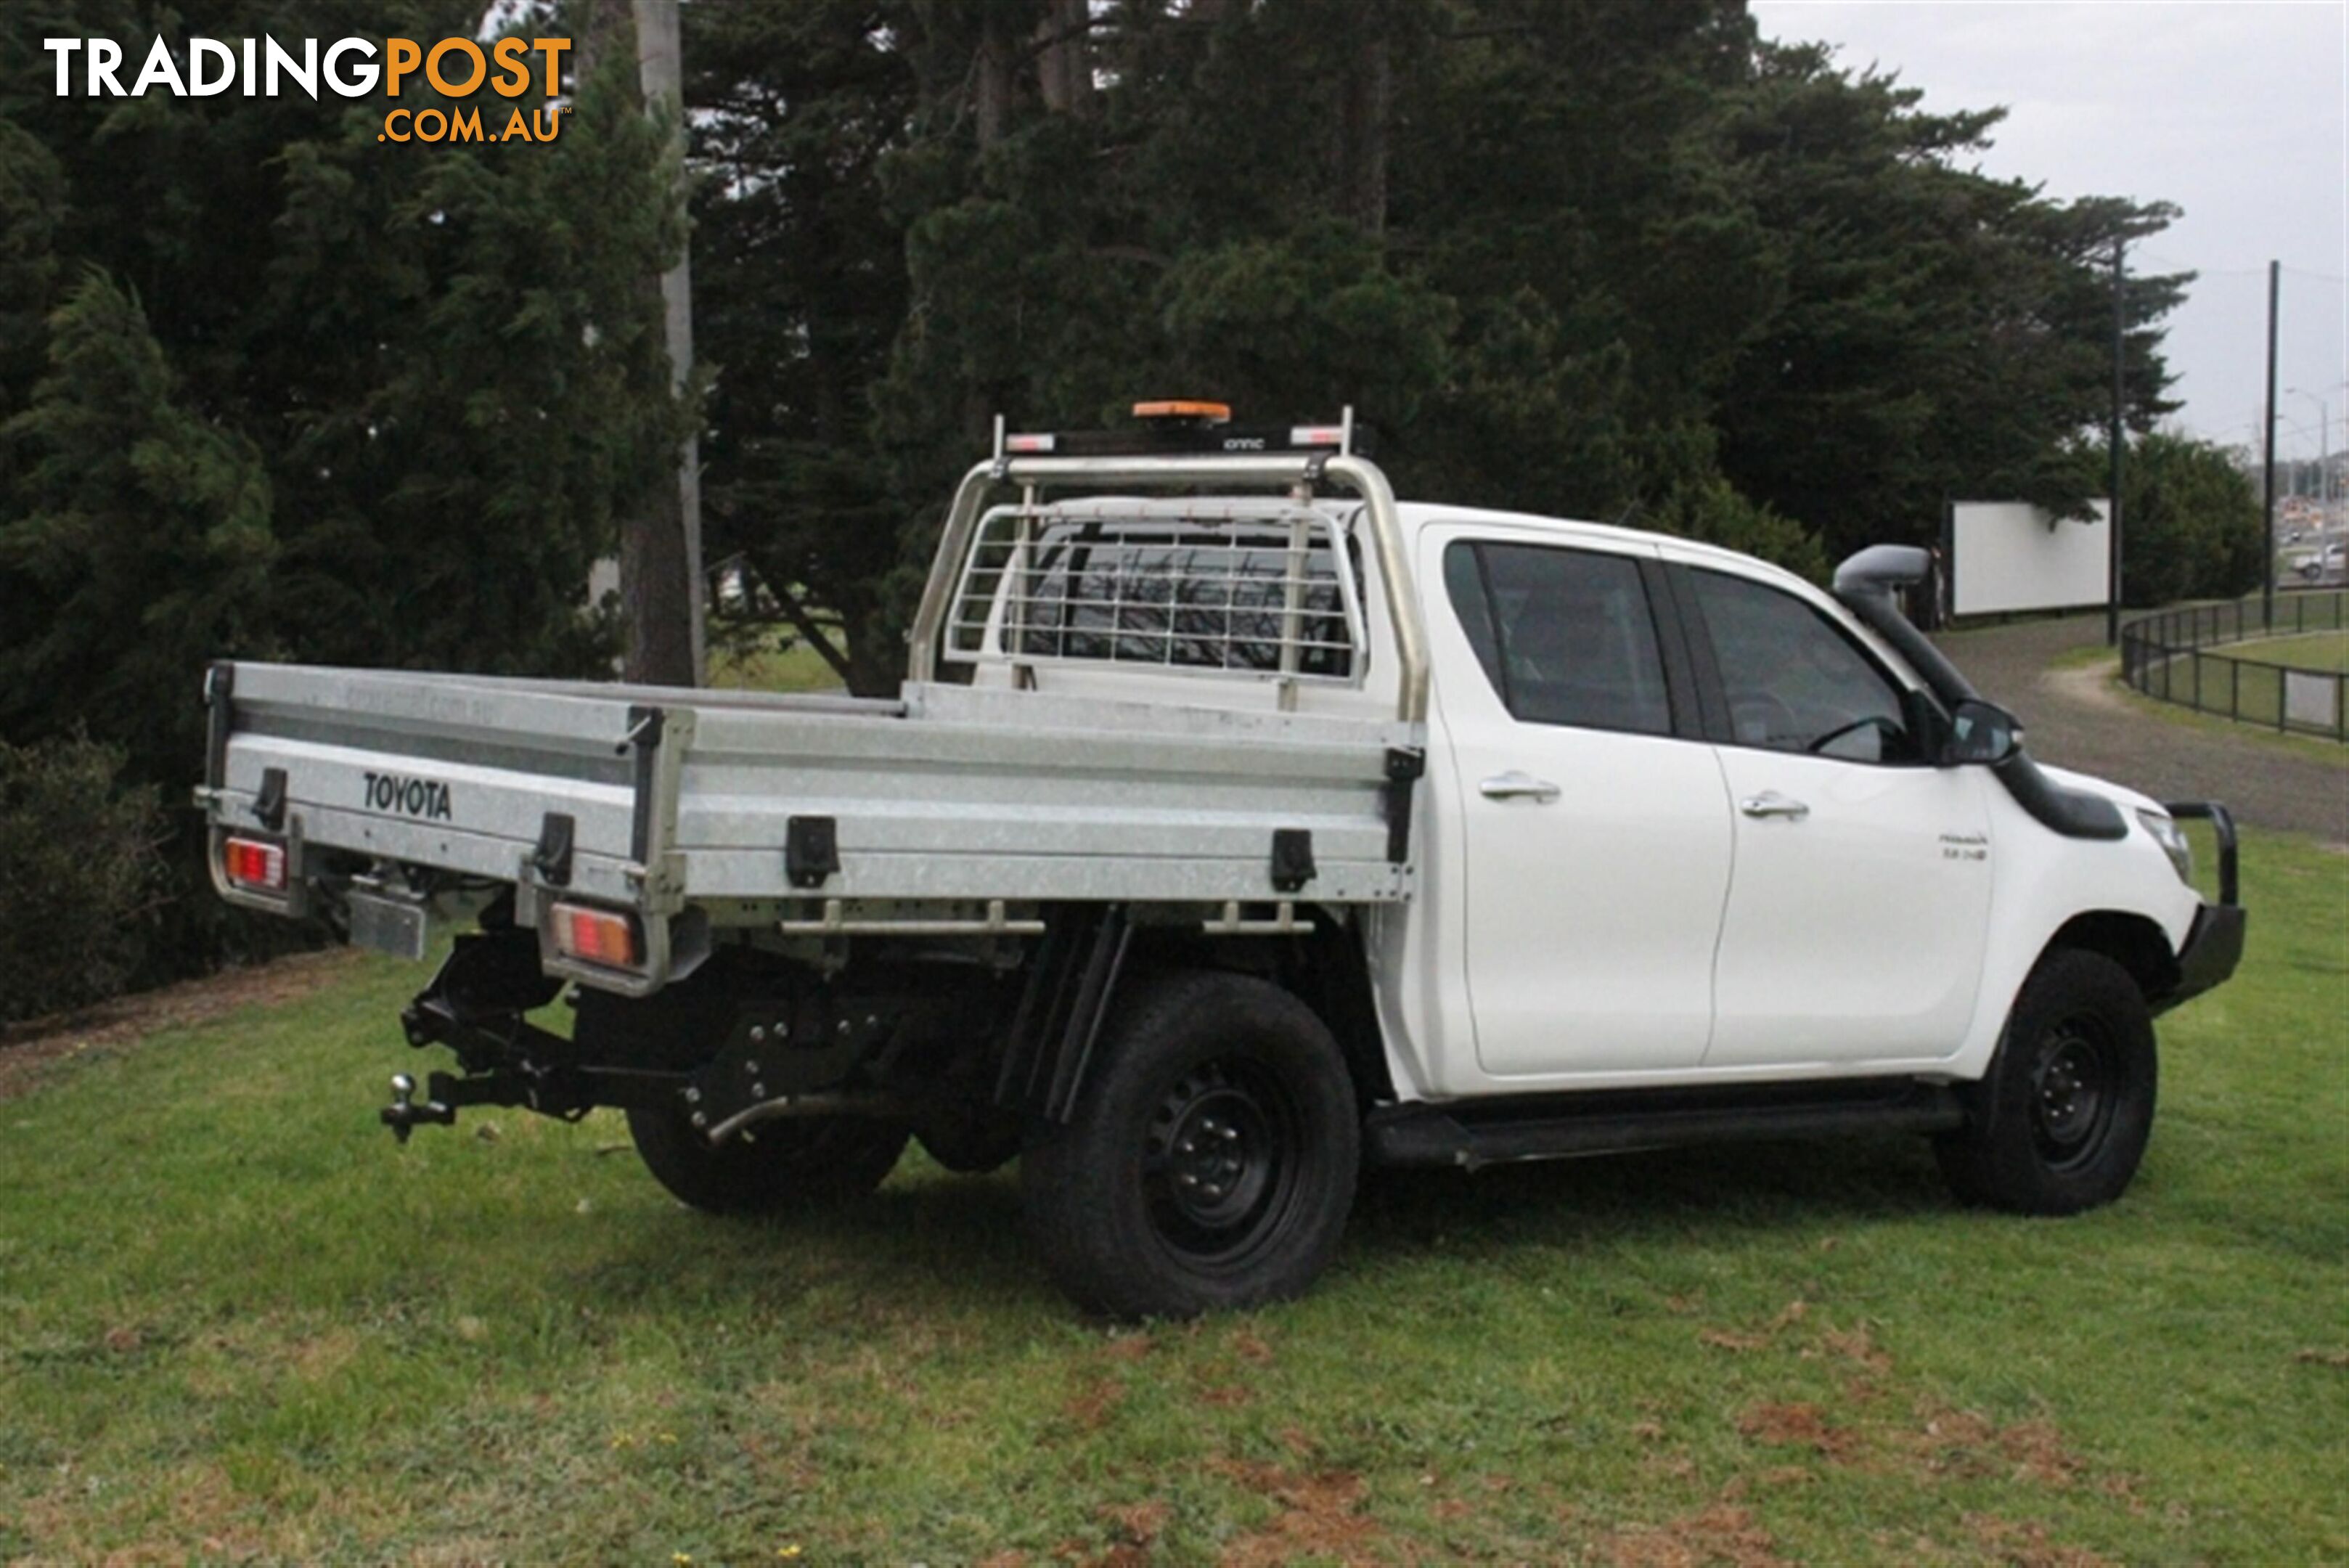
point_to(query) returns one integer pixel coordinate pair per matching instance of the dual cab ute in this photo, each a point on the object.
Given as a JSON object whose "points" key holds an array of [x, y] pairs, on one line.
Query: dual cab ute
{"points": [[1239, 825]]}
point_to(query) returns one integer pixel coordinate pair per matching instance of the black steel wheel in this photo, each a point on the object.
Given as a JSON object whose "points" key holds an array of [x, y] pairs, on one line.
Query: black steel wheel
{"points": [[1212, 1159], [2075, 1078], [1221, 1157], [2062, 1121], [781, 1163]]}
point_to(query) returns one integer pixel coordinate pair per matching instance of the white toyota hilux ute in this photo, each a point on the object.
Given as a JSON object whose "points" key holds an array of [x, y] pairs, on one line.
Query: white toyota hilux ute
{"points": [[1236, 826]]}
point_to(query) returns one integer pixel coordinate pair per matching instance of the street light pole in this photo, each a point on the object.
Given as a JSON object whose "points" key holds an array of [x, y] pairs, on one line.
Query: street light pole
{"points": [[2326, 490], [2113, 506], [2324, 448], [2268, 578]]}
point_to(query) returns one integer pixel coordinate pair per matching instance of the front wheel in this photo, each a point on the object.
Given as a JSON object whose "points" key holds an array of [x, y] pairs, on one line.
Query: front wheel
{"points": [[1211, 1159], [2062, 1121]]}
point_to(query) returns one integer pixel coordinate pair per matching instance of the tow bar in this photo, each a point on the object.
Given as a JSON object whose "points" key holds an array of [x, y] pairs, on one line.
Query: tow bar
{"points": [[404, 1116]]}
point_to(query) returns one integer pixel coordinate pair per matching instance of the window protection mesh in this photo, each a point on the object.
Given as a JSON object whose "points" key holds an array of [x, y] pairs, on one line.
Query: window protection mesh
{"points": [[1262, 595]]}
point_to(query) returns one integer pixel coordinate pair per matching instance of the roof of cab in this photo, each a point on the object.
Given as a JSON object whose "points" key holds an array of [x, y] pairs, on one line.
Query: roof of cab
{"points": [[1418, 514]]}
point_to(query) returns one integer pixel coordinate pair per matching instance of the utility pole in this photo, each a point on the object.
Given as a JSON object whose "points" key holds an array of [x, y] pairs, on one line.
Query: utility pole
{"points": [[2268, 576], [2324, 452], [661, 70], [2113, 517]]}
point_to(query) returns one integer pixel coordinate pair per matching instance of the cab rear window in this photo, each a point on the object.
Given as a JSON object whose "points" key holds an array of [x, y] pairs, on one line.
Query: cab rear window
{"points": [[1565, 636]]}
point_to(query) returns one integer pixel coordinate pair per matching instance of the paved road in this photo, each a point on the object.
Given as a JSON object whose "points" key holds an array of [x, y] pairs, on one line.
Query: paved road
{"points": [[2075, 719]]}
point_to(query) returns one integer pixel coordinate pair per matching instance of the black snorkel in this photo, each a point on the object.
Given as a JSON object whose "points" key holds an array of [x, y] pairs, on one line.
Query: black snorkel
{"points": [[1865, 584]]}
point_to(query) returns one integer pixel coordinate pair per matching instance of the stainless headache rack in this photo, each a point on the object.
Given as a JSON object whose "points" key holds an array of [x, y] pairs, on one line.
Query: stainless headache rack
{"points": [[1210, 457], [1269, 590]]}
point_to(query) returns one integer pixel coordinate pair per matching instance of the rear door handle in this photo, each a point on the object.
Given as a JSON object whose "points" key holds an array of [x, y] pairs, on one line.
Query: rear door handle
{"points": [[1514, 786], [1770, 802]]}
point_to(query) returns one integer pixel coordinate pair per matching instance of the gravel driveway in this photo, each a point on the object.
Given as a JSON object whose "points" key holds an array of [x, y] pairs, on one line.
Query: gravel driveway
{"points": [[2076, 719]]}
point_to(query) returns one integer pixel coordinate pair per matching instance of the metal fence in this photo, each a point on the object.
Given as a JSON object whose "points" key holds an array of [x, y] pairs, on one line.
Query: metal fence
{"points": [[2166, 656]]}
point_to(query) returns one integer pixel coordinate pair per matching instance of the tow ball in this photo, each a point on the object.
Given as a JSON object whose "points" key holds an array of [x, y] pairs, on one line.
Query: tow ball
{"points": [[404, 1116]]}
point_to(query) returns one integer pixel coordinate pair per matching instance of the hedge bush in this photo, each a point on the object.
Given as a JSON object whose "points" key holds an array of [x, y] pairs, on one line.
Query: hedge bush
{"points": [[80, 875]]}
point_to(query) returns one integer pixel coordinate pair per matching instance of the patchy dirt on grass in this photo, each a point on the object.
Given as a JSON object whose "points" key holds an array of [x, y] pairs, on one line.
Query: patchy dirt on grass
{"points": [[1800, 1426], [2025, 1545], [1961, 1443], [1320, 1516], [1760, 1338], [1719, 1532], [26, 1049], [1090, 1408], [1135, 1528]]}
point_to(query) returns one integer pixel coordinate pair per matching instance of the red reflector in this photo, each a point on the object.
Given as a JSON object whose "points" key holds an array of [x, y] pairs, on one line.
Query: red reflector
{"points": [[596, 936], [1316, 435], [1028, 443], [254, 863]]}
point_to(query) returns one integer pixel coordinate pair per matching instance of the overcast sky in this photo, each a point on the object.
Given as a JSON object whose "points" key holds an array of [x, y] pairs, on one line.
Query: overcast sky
{"points": [[2237, 110]]}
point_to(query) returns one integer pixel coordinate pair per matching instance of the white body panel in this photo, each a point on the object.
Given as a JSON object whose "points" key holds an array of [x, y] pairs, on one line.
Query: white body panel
{"points": [[2045, 882], [1856, 931], [1855, 942], [1563, 974]]}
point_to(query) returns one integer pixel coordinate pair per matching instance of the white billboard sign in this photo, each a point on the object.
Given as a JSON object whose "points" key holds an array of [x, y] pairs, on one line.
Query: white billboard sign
{"points": [[2011, 556]]}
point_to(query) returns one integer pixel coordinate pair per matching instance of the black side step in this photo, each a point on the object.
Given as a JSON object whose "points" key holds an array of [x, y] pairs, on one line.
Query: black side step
{"points": [[1498, 1131]]}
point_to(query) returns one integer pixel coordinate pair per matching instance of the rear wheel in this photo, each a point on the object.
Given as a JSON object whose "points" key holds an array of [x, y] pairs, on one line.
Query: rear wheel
{"points": [[1211, 1160], [2062, 1121], [780, 1164]]}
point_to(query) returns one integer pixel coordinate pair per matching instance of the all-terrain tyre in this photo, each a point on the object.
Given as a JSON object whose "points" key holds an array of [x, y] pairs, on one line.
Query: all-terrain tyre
{"points": [[782, 1164], [1211, 1159], [2061, 1122]]}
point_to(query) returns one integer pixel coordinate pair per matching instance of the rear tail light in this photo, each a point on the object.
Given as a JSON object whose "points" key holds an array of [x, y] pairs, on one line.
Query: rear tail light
{"points": [[595, 936], [254, 863]]}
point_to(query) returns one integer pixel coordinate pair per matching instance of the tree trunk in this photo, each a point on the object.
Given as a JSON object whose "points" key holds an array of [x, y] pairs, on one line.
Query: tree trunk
{"points": [[666, 620], [1064, 61], [877, 661], [603, 25], [659, 610], [992, 81], [1362, 124], [657, 592], [655, 583]]}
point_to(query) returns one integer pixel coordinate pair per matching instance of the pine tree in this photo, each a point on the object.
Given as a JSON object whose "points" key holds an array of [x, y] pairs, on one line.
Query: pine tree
{"points": [[139, 545]]}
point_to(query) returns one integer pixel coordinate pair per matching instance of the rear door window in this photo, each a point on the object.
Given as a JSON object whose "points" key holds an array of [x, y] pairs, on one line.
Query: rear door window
{"points": [[1565, 636]]}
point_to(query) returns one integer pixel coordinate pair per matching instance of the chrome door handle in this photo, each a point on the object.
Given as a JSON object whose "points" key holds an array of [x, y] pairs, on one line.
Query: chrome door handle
{"points": [[1770, 802], [1513, 786]]}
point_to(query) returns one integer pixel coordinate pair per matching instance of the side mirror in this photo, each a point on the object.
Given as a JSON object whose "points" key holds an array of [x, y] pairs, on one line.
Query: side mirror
{"points": [[1981, 732]]}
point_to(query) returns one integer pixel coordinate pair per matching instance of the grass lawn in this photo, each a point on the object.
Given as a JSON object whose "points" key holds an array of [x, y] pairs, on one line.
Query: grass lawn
{"points": [[2244, 682], [236, 1321], [767, 667], [2315, 650], [2256, 737]]}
